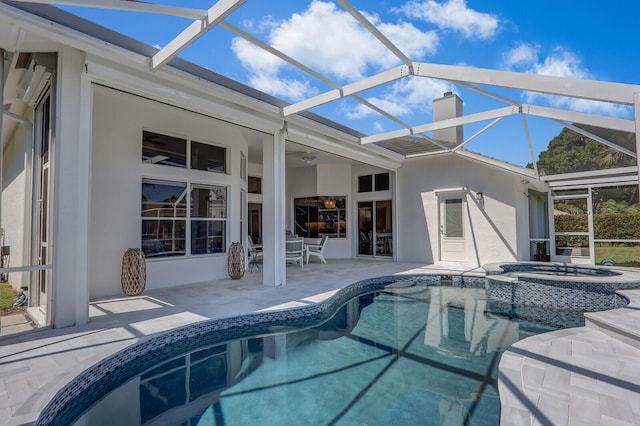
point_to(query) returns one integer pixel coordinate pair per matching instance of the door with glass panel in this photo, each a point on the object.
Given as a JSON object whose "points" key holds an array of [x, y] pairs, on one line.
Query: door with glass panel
{"points": [[453, 245], [375, 232], [365, 228]]}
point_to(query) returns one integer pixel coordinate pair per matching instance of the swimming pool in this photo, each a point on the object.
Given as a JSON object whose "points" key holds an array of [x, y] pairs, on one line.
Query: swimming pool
{"points": [[408, 351]]}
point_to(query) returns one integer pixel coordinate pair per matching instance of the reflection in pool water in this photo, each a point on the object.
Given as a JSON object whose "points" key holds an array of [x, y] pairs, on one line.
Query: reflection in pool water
{"points": [[406, 355]]}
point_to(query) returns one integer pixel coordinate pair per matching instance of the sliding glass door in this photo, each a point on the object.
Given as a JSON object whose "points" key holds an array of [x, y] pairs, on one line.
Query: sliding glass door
{"points": [[375, 233]]}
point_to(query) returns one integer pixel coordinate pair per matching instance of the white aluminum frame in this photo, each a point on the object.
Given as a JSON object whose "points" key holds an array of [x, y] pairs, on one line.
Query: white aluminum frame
{"points": [[468, 77]]}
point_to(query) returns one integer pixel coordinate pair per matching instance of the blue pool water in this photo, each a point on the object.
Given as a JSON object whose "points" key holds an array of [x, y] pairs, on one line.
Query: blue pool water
{"points": [[406, 355]]}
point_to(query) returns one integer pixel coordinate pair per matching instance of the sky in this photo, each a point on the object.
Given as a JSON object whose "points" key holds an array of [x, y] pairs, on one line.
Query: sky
{"points": [[588, 40]]}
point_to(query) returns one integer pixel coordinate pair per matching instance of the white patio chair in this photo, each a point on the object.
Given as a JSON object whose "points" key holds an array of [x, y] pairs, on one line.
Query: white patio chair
{"points": [[294, 251], [317, 250], [255, 253]]}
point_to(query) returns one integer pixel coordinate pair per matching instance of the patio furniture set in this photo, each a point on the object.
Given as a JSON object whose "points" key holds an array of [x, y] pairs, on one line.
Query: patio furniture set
{"points": [[297, 250]]}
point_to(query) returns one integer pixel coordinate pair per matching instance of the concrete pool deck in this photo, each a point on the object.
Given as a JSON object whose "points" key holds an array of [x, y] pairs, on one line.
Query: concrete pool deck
{"points": [[35, 365]]}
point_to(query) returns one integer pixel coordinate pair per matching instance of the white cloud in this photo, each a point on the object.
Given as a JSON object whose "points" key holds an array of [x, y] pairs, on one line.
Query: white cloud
{"points": [[295, 90], [561, 63], [453, 15], [522, 55], [378, 127], [255, 59], [403, 98], [333, 43]]}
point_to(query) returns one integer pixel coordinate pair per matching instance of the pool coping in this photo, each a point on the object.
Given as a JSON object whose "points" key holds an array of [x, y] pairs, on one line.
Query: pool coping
{"points": [[623, 277], [580, 375]]}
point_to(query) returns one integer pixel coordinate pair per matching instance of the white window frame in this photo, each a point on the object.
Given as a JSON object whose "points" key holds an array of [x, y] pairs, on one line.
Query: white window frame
{"points": [[192, 178]]}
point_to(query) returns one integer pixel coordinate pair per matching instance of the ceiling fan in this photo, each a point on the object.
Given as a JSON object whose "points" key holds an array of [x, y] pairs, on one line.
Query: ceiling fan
{"points": [[306, 157]]}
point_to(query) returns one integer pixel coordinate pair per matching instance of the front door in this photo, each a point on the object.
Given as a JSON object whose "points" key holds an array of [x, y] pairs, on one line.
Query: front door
{"points": [[453, 246]]}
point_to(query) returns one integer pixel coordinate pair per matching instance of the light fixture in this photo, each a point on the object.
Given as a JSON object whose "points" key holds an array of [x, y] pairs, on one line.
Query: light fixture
{"points": [[308, 159], [479, 196], [329, 204]]}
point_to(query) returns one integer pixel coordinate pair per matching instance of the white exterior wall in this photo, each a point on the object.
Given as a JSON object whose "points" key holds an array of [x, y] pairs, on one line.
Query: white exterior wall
{"points": [[14, 205], [335, 179], [300, 182], [496, 228], [117, 172]]}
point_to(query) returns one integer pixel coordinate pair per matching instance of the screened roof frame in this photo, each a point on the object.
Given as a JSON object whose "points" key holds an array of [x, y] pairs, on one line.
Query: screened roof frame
{"points": [[474, 79]]}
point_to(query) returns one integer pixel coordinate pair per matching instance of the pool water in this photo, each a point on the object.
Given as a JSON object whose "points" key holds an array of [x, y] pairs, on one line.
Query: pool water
{"points": [[404, 356]]}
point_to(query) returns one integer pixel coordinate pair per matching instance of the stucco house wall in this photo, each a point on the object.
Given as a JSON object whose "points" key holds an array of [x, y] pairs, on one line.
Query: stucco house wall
{"points": [[496, 228], [116, 177], [16, 215]]}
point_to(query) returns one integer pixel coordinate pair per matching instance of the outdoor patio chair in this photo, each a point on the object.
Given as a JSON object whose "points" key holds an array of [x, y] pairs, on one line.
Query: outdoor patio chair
{"points": [[254, 253], [294, 251], [317, 250]]}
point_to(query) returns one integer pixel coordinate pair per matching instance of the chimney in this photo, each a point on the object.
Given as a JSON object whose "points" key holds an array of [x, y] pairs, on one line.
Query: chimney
{"points": [[448, 106]]}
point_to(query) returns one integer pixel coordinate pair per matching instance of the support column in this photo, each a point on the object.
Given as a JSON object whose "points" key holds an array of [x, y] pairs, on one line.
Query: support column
{"points": [[2, 53], [70, 289], [552, 226], [274, 271], [636, 110]]}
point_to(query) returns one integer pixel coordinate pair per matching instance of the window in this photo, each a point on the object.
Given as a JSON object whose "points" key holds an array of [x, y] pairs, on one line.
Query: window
{"points": [[208, 219], [208, 157], [366, 182], [255, 185], [180, 217], [320, 216], [382, 181], [161, 149], [165, 218], [243, 167], [453, 220], [164, 212], [172, 151]]}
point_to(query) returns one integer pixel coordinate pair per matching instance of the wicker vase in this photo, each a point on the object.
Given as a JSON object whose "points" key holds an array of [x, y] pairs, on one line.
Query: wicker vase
{"points": [[236, 261], [134, 272]]}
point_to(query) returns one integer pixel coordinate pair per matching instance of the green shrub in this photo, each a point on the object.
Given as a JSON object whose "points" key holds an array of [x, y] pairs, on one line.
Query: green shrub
{"points": [[609, 226]]}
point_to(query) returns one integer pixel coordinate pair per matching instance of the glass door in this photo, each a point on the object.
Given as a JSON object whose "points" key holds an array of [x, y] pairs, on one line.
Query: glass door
{"points": [[383, 234], [255, 222], [375, 233], [365, 228]]}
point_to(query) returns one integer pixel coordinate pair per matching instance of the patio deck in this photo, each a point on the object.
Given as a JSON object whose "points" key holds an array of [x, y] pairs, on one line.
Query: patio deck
{"points": [[33, 366]]}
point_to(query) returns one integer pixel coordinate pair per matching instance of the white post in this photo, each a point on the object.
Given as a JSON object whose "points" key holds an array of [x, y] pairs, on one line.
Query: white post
{"points": [[71, 192], [590, 217], [273, 210], [2, 53], [636, 109], [552, 227]]}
